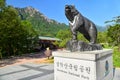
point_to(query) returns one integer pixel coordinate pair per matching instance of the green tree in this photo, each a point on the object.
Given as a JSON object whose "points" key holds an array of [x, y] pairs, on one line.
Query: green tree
{"points": [[102, 37], [15, 35], [8, 22], [114, 31], [64, 35], [114, 34], [2, 4], [31, 37]]}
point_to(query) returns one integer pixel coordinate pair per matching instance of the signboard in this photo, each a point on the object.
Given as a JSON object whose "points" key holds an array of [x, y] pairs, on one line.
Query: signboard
{"points": [[74, 69]]}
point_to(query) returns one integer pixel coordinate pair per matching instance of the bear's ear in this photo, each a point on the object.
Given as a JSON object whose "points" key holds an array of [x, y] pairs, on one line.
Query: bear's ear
{"points": [[73, 5]]}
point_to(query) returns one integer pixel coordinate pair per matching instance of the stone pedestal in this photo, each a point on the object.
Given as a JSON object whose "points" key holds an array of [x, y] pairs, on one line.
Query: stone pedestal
{"points": [[88, 65]]}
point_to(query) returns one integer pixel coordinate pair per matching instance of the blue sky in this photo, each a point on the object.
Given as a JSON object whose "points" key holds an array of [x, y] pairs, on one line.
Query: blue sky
{"points": [[97, 11]]}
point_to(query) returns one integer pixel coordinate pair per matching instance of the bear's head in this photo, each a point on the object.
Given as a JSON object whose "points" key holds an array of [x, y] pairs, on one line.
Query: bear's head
{"points": [[70, 12]]}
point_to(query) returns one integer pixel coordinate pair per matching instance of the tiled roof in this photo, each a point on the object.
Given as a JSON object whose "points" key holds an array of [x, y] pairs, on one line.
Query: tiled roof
{"points": [[48, 38]]}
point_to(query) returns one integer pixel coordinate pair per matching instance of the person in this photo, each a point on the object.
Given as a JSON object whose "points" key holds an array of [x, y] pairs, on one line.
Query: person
{"points": [[48, 52]]}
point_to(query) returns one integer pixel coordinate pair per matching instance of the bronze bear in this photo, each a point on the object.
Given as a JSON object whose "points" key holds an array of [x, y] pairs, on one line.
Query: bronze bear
{"points": [[80, 23]]}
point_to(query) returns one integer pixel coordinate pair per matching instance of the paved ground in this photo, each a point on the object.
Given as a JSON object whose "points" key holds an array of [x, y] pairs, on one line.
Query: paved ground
{"points": [[117, 74], [33, 71], [27, 71]]}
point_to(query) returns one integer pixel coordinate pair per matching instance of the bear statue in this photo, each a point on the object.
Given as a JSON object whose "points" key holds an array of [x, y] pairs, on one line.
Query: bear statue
{"points": [[79, 23]]}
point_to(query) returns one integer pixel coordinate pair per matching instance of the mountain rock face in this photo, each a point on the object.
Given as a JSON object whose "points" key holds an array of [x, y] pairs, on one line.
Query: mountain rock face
{"points": [[41, 23], [29, 12]]}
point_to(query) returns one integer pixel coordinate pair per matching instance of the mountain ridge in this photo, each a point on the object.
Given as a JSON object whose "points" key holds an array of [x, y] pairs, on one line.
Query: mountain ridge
{"points": [[42, 24]]}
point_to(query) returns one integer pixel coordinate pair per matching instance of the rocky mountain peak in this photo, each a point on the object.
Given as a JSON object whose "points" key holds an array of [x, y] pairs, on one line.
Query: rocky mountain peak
{"points": [[32, 12]]}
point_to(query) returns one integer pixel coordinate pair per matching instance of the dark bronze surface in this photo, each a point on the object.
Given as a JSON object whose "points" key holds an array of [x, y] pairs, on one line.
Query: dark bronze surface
{"points": [[79, 23]]}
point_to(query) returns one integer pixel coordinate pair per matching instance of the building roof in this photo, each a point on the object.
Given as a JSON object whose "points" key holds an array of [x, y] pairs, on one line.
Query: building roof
{"points": [[48, 38]]}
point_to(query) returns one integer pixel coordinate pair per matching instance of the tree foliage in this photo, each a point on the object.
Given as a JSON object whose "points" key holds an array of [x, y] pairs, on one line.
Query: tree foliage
{"points": [[114, 31], [64, 35], [15, 35], [114, 34], [102, 37], [2, 4]]}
